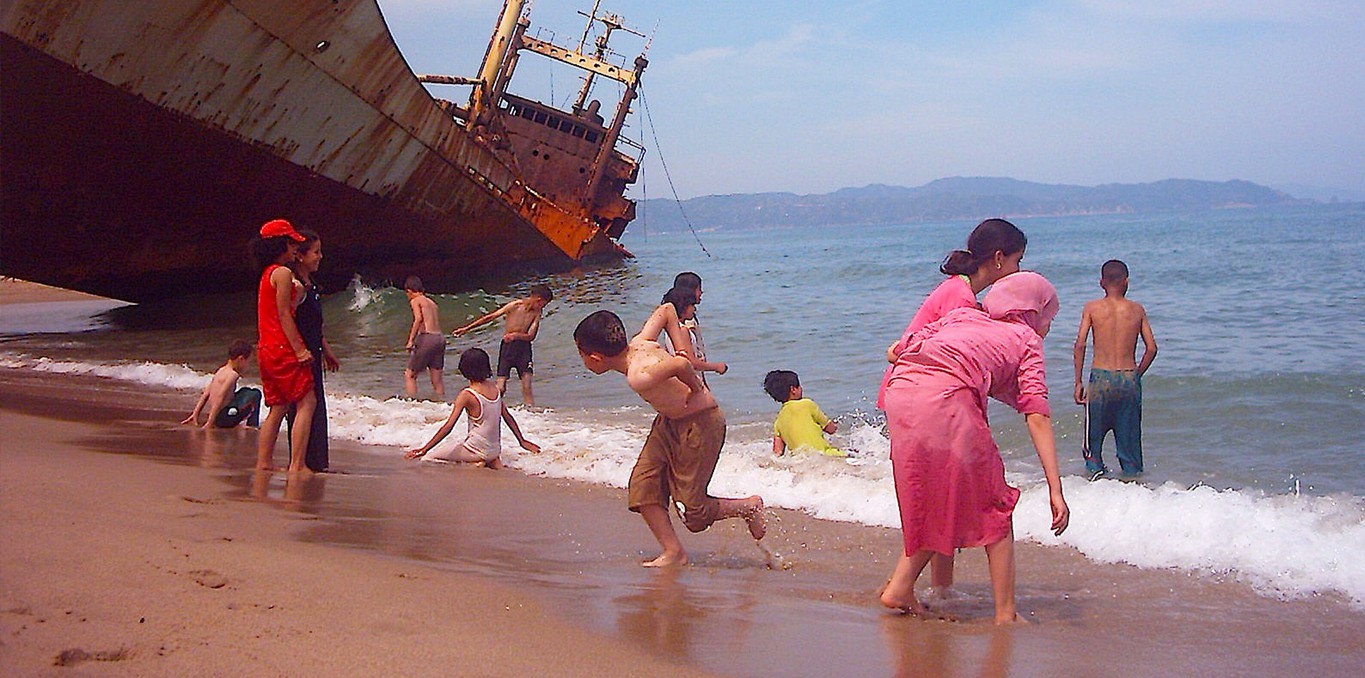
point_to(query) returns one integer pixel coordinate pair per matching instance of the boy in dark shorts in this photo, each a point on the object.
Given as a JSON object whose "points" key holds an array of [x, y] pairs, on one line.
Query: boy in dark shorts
{"points": [[523, 322], [426, 342], [683, 447], [228, 405], [1113, 397]]}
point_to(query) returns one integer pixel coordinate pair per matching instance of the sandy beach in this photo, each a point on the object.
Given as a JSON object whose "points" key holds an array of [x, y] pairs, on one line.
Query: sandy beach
{"points": [[134, 546]]}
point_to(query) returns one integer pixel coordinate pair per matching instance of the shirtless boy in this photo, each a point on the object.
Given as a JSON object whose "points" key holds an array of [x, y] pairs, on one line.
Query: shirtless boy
{"points": [[228, 405], [680, 454], [519, 330], [1113, 398], [426, 344]]}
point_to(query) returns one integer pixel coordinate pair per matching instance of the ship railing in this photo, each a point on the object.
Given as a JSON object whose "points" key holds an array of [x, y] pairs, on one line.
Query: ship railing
{"points": [[636, 152]]}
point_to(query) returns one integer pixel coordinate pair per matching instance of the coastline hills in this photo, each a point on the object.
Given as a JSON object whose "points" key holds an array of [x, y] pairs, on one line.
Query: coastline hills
{"points": [[952, 199]]}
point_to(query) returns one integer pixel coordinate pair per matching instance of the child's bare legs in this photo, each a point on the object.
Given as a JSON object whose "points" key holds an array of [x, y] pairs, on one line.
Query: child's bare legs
{"points": [[656, 517], [750, 509], [438, 382], [265, 440], [1000, 558], [410, 383], [899, 593], [941, 571], [302, 427], [526, 397]]}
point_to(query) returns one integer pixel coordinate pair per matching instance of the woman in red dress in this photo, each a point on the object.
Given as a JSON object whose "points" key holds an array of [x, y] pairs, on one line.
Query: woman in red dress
{"points": [[284, 358]]}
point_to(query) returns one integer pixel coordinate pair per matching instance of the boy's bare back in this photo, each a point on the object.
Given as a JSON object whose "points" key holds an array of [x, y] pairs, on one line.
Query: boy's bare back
{"points": [[1116, 323], [424, 311], [649, 372]]}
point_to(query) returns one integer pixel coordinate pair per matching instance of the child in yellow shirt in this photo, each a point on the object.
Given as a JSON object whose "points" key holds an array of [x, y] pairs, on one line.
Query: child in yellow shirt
{"points": [[800, 423]]}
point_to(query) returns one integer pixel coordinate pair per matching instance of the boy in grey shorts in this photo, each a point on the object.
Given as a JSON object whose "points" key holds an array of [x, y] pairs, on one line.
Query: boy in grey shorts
{"points": [[425, 341]]}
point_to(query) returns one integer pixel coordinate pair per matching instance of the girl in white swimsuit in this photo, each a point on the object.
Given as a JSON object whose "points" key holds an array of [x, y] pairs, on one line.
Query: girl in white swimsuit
{"points": [[483, 406]]}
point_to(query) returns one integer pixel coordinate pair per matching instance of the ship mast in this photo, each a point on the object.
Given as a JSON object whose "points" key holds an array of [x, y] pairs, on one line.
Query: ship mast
{"points": [[612, 22], [485, 94]]}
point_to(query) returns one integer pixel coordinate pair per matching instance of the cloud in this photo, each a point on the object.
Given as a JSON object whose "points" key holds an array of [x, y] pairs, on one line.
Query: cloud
{"points": [[702, 57], [758, 58]]}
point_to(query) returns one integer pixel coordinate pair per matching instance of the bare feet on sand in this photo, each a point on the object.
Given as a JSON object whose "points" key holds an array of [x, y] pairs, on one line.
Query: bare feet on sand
{"points": [[1017, 620], [667, 560], [753, 515], [909, 605]]}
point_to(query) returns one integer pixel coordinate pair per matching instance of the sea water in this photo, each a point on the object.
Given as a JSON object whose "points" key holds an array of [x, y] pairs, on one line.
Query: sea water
{"points": [[1254, 411]]}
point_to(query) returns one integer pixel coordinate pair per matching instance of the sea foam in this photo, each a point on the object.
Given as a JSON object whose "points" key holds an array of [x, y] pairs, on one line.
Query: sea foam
{"points": [[1285, 546]]}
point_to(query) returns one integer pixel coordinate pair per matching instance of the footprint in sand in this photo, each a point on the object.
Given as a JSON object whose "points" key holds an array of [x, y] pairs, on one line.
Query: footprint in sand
{"points": [[76, 655], [209, 578]]}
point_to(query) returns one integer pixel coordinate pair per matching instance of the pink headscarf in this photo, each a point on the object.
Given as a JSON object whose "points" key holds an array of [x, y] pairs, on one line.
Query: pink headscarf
{"points": [[1026, 297]]}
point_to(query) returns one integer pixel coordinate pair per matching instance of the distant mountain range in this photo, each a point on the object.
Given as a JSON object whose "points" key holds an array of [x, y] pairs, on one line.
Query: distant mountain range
{"points": [[970, 198]]}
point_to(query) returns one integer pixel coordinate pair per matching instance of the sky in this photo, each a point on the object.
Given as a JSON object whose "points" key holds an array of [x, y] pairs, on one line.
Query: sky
{"points": [[810, 97]]}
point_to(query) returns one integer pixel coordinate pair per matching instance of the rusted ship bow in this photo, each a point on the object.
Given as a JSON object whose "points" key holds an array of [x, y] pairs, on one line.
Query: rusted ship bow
{"points": [[142, 141]]}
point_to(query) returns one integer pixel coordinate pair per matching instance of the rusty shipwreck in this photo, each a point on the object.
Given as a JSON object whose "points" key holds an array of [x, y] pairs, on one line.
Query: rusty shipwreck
{"points": [[143, 141]]}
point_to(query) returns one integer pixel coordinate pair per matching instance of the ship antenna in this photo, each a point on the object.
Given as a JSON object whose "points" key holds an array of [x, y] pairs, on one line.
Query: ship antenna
{"points": [[588, 29], [650, 41], [659, 149]]}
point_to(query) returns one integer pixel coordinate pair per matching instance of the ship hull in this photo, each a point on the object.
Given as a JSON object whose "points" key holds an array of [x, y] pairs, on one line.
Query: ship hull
{"points": [[138, 182]]}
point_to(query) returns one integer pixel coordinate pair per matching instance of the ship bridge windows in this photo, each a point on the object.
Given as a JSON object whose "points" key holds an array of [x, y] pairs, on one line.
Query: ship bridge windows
{"points": [[558, 123]]}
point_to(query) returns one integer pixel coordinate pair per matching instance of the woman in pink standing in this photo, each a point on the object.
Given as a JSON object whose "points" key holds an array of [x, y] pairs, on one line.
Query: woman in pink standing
{"points": [[950, 479], [994, 249]]}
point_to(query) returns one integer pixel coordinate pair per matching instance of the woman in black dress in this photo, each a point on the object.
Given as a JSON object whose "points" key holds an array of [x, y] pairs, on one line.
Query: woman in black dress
{"points": [[308, 317]]}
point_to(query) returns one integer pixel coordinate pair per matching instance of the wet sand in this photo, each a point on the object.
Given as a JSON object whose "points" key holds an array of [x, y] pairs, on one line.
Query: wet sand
{"points": [[119, 524], [127, 566], [133, 539]]}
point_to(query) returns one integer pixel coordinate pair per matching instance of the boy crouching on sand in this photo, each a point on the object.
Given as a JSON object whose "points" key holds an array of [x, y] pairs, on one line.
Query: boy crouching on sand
{"points": [[228, 405], [800, 424], [680, 454]]}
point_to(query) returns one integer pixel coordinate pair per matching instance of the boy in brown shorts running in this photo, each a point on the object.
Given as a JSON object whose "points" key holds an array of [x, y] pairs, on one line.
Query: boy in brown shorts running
{"points": [[680, 454]]}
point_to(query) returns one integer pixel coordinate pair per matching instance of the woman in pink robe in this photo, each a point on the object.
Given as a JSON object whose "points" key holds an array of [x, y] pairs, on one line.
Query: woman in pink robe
{"points": [[950, 479], [994, 249]]}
